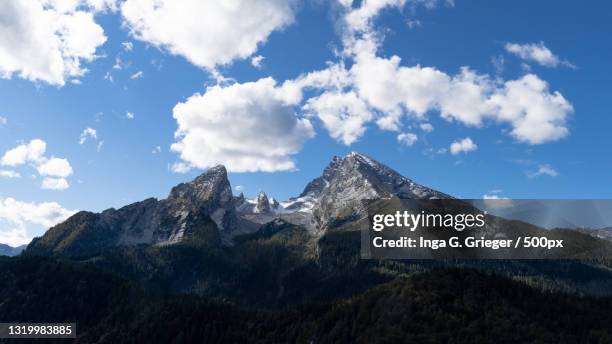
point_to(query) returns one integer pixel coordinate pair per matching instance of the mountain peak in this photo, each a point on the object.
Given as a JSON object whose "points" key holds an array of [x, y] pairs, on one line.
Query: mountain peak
{"points": [[213, 183], [337, 194], [218, 172], [263, 203], [349, 180], [356, 154]]}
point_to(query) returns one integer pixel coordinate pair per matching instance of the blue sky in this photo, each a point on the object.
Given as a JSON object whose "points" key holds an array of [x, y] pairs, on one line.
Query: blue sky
{"points": [[277, 134]]}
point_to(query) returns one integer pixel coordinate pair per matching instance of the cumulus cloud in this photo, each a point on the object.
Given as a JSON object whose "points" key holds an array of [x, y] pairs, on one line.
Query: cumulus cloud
{"points": [[16, 217], [543, 170], [58, 184], [88, 133], [129, 115], [55, 167], [389, 93], [48, 40], [462, 146], [344, 115], [32, 152], [536, 114], [360, 88], [398, 92], [55, 170], [207, 32], [538, 53], [407, 139], [246, 127]]}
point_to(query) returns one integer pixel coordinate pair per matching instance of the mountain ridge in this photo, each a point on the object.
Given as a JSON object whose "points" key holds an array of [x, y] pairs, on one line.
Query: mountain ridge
{"points": [[10, 251], [340, 190]]}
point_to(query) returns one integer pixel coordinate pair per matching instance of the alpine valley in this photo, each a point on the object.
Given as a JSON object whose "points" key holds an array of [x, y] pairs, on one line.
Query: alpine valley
{"points": [[204, 265]]}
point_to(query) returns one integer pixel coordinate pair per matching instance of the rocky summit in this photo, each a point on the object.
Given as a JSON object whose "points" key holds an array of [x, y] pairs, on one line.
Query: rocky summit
{"points": [[338, 193]]}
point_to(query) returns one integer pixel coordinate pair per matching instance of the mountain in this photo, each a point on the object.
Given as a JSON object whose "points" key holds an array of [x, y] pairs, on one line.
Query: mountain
{"points": [[149, 222], [201, 239], [6, 250], [205, 265], [602, 233], [347, 181], [336, 195]]}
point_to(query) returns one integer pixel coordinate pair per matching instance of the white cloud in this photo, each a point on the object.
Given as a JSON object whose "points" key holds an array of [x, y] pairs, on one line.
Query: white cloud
{"points": [[32, 152], [129, 115], [88, 133], [3, 121], [9, 174], [462, 146], [372, 89], [407, 139], [239, 188], [55, 167], [359, 19], [257, 61], [137, 75], [344, 115], [426, 127], [58, 184], [16, 217], [543, 170], [127, 46], [537, 116], [246, 127], [207, 32], [156, 150], [536, 52], [46, 40], [393, 93]]}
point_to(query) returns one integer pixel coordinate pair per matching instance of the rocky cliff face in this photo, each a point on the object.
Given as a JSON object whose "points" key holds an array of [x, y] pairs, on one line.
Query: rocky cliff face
{"points": [[336, 195], [209, 194], [349, 180], [150, 222]]}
